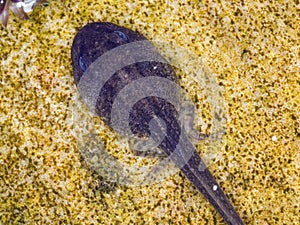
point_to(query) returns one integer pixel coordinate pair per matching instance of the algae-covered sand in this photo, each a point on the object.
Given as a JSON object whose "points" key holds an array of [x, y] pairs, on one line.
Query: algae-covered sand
{"points": [[252, 48]]}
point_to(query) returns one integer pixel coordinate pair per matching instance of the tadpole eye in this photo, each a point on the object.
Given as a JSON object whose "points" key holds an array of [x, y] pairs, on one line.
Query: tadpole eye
{"points": [[122, 35], [82, 64]]}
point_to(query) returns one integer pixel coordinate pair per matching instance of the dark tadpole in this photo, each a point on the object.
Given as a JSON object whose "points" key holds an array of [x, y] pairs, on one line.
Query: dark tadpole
{"points": [[96, 39]]}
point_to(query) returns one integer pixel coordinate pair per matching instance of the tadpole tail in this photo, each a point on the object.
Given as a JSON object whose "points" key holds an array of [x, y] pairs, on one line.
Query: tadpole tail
{"points": [[196, 171]]}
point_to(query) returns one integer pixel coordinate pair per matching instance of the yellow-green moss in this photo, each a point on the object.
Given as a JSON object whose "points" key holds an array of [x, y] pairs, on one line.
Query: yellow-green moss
{"points": [[252, 48]]}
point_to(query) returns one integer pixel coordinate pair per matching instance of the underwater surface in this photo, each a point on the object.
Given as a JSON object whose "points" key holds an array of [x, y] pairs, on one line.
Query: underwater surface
{"points": [[251, 50]]}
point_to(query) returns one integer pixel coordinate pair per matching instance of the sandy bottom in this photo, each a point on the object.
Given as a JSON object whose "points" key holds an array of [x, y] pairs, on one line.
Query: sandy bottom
{"points": [[251, 51]]}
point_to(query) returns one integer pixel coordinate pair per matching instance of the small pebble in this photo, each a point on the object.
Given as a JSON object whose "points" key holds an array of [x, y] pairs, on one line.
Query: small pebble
{"points": [[274, 138]]}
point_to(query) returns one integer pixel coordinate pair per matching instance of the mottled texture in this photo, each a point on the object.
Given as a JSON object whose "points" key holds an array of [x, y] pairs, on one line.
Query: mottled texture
{"points": [[252, 47]]}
